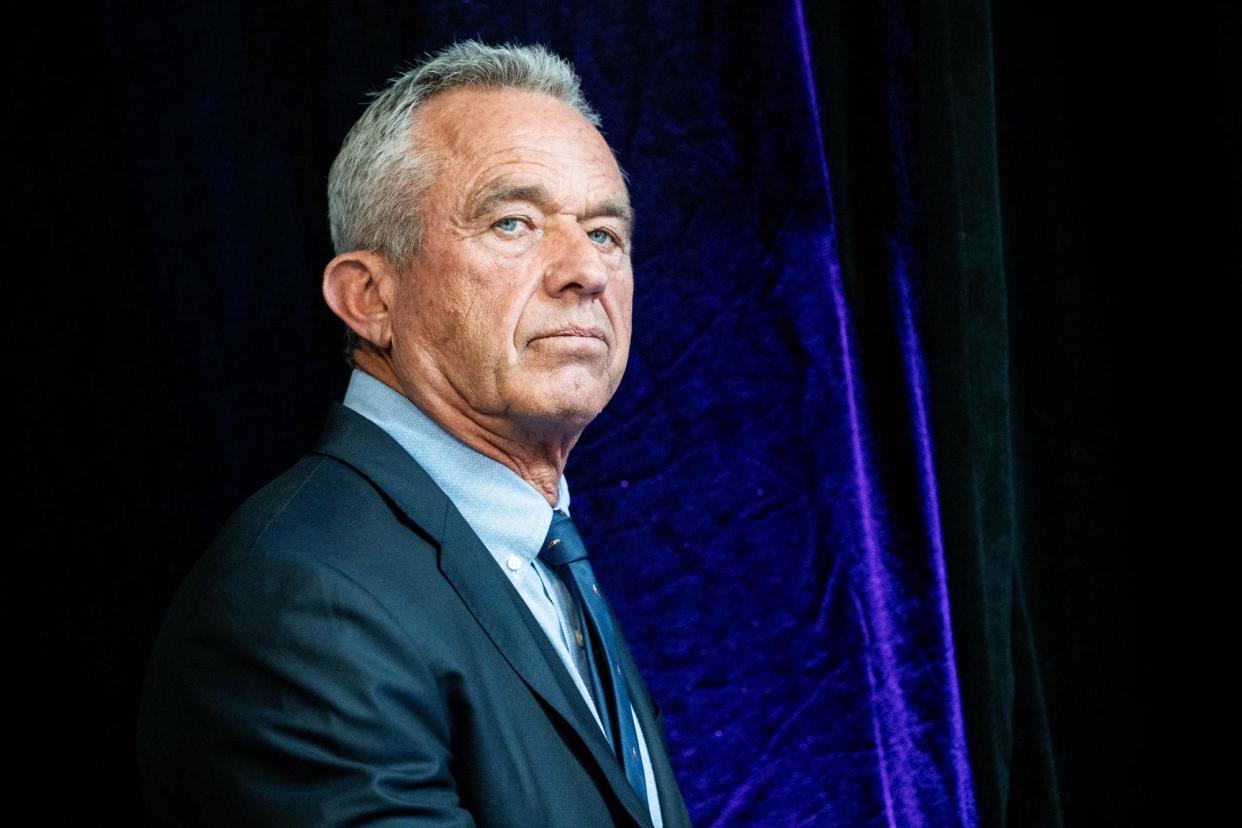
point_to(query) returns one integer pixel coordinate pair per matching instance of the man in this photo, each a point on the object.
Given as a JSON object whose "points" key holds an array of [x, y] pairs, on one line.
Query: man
{"points": [[403, 629]]}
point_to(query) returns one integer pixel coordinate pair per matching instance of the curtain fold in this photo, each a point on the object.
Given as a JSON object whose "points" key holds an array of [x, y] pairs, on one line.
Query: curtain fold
{"points": [[912, 124]]}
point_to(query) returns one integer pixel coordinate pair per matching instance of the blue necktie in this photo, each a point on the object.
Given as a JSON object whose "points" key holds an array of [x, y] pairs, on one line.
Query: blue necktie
{"points": [[566, 554]]}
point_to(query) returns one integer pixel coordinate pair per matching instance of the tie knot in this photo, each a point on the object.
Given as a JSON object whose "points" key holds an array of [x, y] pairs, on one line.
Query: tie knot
{"points": [[563, 545]]}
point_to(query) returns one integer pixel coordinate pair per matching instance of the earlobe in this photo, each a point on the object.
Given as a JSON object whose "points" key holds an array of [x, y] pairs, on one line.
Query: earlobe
{"points": [[355, 287]]}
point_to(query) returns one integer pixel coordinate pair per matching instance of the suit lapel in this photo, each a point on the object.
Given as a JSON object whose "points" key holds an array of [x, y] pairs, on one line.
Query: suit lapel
{"points": [[369, 450], [474, 575], [507, 621]]}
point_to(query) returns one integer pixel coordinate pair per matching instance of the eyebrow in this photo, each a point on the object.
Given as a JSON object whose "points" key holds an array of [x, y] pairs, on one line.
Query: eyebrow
{"points": [[494, 195]]}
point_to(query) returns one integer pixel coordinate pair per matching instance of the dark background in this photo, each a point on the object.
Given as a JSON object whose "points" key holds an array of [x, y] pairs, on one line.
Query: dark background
{"points": [[169, 352]]}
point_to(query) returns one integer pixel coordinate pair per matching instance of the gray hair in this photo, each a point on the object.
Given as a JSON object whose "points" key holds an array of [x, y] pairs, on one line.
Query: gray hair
{"points": [[379, 176], [378, 179]]}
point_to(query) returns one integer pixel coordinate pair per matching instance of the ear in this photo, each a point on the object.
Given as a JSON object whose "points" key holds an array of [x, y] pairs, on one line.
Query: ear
{"points": [[358, 286]]}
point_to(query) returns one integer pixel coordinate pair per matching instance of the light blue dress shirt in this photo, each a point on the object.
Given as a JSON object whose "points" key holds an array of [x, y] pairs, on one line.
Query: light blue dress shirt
{"points": [[508, 515]]}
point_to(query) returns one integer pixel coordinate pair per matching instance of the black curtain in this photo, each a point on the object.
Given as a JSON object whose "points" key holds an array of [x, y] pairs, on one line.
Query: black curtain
{"points": [[1076, 176], [1069, 178]]}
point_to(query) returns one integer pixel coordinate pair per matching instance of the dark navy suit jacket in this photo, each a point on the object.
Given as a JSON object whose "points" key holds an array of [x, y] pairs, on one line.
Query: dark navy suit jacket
{"points": [[348, 653]]}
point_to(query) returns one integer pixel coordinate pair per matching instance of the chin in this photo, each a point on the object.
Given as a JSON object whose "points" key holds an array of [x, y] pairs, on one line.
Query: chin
{"points": [[560, 419], [571, 398], [559, 410]]}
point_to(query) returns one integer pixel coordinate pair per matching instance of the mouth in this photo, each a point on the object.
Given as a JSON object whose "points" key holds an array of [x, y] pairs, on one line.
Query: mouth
{"points": [[574, 331]]}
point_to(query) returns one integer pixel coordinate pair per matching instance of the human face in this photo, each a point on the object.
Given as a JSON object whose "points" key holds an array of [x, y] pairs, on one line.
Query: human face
{"points": [[516, 312]]}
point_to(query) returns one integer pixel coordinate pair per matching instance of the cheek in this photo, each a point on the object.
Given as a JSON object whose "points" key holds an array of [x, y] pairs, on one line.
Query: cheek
{"points": [[624, 302], [493, 297], [433, 315]]}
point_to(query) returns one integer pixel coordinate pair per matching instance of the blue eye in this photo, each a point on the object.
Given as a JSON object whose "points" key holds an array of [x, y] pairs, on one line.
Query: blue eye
{"points": [[600, 236], [508, 225]]}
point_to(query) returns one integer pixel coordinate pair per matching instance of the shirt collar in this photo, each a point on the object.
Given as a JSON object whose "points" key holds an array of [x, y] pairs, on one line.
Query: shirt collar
{"points": [[505, 511]]}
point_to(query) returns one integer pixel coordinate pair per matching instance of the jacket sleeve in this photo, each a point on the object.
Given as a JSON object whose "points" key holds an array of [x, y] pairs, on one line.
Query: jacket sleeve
{"points": [[285, 694]]}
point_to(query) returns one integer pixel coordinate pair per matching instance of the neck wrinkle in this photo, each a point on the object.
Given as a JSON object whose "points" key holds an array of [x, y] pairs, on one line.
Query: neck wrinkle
{"points": [[538, 461]]}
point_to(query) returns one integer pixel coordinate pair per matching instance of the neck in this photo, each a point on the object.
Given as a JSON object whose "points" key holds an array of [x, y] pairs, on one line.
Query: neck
{"points": [[536, 457]]}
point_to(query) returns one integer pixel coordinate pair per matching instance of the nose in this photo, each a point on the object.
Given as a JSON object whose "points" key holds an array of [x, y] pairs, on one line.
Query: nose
{"points": [[575, 264]]}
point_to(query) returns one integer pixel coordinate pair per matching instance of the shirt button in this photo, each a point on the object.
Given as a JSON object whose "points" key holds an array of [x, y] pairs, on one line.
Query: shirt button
{"points": [[514, 563]]}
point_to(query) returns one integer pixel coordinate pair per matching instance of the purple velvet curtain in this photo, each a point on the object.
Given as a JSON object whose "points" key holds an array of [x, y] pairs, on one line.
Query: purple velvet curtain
{"points": [[800, 638]]}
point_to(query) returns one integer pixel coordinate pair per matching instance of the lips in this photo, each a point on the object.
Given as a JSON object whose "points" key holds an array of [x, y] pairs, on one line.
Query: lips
{"points": [[574, 331]]}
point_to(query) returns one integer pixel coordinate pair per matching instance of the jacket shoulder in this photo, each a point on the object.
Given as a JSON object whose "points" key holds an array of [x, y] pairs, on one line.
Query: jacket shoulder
{"points": [[298, 650], [320, 516]]}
